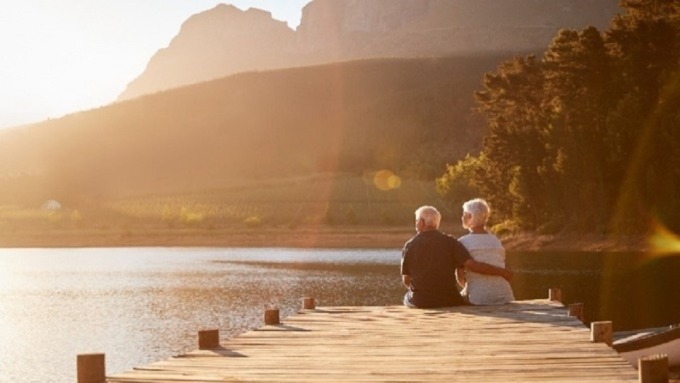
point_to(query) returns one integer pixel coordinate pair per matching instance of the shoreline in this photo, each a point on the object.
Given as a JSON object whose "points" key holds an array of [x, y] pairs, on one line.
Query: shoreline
{"points": [[309, 237], [576, 242]]}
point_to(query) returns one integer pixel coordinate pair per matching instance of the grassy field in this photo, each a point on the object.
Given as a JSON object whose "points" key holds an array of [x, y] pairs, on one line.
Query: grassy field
{"points": [[316, 200], [343, 206], [321, 211]]}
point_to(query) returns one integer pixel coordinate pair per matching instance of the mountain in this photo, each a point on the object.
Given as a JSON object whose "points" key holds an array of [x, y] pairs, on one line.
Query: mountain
{"points": [[411, 116], [213, 44], [226, 40], [410, 28]]}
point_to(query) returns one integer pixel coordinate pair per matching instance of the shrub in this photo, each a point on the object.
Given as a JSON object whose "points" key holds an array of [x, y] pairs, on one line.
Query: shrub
{"points": [[55, 218], [505, 227], [253, 221], [76, 218], [189, 218], [168, 216]]}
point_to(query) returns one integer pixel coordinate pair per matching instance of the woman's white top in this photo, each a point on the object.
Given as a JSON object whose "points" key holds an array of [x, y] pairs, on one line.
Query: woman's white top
{"points": [[486, 289]]}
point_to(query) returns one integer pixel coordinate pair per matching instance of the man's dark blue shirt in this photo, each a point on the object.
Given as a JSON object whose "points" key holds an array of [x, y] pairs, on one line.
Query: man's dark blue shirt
{"points": [[430, 258]]}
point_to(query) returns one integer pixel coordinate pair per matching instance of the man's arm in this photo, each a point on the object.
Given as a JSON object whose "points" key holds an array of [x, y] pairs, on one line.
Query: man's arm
{"points": [[406, 279], [460, 277], [485, 268]]}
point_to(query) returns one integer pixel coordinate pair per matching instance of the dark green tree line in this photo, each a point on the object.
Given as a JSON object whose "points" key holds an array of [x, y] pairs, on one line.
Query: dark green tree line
{"points": [[585, 138]]}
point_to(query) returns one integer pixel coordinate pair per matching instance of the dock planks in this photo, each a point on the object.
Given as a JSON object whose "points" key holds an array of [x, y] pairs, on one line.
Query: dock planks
{"points": [[525, 341]]}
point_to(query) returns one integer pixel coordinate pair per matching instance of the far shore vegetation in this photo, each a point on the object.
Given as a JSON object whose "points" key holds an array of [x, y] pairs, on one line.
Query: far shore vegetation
{"points": [[322, 204], [321, 211]]}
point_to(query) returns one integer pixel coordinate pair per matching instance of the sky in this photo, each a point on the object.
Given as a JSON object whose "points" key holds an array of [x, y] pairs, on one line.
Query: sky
{"points": [[62, 56]]}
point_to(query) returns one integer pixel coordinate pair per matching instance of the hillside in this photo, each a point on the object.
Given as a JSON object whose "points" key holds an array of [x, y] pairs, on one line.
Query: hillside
{"points": [[225, 40], [411, 116]]}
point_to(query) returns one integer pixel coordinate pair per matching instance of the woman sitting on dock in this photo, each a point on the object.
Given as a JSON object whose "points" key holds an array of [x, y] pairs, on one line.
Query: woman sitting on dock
{"points": [[480, 289]]}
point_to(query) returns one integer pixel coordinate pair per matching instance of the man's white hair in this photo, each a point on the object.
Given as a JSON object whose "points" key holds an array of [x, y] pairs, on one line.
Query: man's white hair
{"points": [[430, 215], [479, 211]]}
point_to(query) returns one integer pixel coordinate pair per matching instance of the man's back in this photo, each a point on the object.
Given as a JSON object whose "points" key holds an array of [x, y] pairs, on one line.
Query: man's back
{"points": [[430, 259]]}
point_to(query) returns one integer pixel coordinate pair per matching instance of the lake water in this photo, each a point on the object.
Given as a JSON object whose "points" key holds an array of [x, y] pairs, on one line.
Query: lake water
{"points": [[140, 305]]}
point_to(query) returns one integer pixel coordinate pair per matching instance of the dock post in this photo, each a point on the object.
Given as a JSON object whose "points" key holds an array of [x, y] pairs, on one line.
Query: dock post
{"points": [[576, 310], [91, 368], [555, 295], [308, 303], [271, 317], [653, 368], [208, 339], [601, 332]]}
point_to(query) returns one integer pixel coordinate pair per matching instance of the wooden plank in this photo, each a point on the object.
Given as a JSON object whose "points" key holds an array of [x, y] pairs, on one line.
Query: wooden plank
{"points": [[528, 341]]}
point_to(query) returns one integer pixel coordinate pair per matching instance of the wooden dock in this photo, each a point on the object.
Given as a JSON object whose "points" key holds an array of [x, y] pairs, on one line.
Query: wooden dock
{"points": [[526, 341]]}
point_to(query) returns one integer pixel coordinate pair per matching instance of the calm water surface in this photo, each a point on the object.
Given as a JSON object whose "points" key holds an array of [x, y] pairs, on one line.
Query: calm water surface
{"points": [[146, 304], [140, 305]]}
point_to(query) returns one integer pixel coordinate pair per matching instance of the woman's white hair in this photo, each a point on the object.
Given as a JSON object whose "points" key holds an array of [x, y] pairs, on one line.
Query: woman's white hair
{"points": [[430, 215], [479, 211]]}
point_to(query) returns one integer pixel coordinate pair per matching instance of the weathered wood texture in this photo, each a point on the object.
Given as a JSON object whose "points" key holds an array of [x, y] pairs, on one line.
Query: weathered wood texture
{"points": [[526, 341]]}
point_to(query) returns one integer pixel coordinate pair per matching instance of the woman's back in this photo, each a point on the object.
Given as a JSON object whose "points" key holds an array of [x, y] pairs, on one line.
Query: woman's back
{"points": [[485, 289]]}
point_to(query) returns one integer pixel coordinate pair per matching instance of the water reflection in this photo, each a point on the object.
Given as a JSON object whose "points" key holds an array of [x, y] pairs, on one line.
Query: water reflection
{"points": [[143, 305], [629, 289]]}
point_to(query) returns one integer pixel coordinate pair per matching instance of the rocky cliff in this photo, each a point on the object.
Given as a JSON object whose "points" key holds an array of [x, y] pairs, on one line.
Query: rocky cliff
{"points": [[216, 43], [226, 40]]}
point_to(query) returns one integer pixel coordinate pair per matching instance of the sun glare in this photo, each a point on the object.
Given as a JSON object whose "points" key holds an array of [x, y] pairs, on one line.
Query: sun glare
{"points": [[662, 241]]}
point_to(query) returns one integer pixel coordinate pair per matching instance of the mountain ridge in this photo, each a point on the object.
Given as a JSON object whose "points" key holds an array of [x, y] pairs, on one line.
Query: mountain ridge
{"points": [[225, 40]]}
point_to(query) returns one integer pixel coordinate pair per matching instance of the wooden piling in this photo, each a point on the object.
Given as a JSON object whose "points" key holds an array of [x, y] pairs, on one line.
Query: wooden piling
{"points": [[271, 317], [601, 332], [208, 339], [576, 310], [555, 295], [653, 369], [91, 368], [308, 303]]}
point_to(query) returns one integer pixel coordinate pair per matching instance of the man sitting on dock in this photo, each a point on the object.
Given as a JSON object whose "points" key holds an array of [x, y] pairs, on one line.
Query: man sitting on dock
{"points": [[429, 261]]}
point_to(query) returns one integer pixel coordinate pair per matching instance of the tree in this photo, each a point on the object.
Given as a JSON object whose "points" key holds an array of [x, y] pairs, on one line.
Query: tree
{"points": [[457, 185], [645, 43], [578, 88], [589, 133], [513, 101]]}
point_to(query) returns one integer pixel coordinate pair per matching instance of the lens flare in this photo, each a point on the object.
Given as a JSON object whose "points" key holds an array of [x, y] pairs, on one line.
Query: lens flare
{"points": [[386, 180], [662, 241]]}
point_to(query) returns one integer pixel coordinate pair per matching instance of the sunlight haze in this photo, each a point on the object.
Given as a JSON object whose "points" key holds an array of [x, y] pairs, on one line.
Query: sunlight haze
{"points": [[64, 56]]}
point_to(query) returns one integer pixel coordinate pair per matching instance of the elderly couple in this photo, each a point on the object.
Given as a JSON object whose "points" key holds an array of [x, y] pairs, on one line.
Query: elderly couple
{"points": [[432, 262]]}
